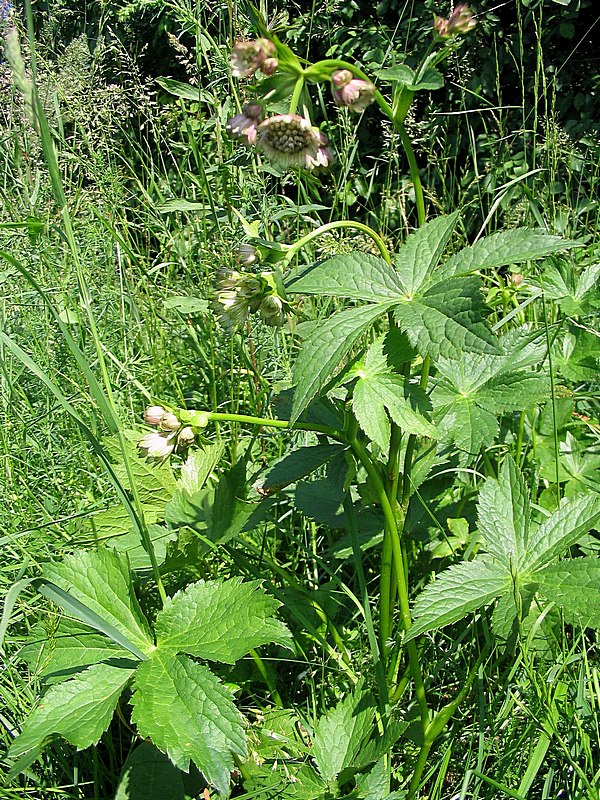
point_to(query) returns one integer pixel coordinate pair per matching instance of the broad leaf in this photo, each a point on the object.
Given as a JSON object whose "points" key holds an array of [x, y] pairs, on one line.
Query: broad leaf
{"points": [[371, 415], [101, 581], [448, 320], [219, 620], [131, 546], [503, 515], [504, 248], [564, 528], [341, 732], [185, 710], [72, 648], [574, 296], [358, 276], [79, 710], [574, 585], [325, 348], [456, 592], [323, 499], [198, 466], [298, 463], [419, 255], [513, 391], [405, 402]]}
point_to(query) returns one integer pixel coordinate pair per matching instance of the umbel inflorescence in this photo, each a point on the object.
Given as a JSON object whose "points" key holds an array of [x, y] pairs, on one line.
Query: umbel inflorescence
{"points": [[290, 140]]}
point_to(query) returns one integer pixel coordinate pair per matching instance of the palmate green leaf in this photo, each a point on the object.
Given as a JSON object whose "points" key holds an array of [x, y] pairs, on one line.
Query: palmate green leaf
{"points": [[79, 710], [561, 530], [376, 393], [326, 346], [418, 257], [72, 648], [503, 515], [298, 464], [322, 500], [473, 389], [358, 276], [573, 295], [130, 545], [574, 585], [448, 320], [340, 733], [186, 712], [219, 620], [466, 424], [456, 592], [502, 249], [101, 581]]}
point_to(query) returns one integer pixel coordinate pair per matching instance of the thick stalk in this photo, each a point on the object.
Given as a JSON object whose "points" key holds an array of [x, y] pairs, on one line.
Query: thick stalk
{"points": [[414, 171], [439, 722], [296, 95], [398, 562], [342, 223], [274, 423]]}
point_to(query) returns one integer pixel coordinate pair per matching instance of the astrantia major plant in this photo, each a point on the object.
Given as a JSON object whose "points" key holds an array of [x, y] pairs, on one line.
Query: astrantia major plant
{"points": [[405, 375]]}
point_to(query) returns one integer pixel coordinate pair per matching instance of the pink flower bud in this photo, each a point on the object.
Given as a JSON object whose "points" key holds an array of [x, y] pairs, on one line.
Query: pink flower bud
{"points": [[153, 414], [269, 66], [169, 422], [341, 78], [244, 126], [355, 93], [245, 255]]}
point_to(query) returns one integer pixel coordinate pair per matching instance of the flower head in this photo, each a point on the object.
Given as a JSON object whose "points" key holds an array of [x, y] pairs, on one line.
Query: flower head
{"points": [[460, 21], [153, 415], [289, 141], [352, 92], [240, 294], [158, 445], [247, 57], [6, 10], [244, 126], [245, 254]]}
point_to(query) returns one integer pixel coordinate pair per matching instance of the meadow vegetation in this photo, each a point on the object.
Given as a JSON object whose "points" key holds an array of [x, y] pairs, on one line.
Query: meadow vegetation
{"points": [[299, 348]]}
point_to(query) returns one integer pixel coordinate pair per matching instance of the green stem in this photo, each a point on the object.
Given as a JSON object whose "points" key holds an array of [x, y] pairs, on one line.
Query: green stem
{"points": [[274, 423], [412, 440], [439, 722], [386, 583], [392, 528], [414, 171], [201, 418], [296, 95], [343, 223]]}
